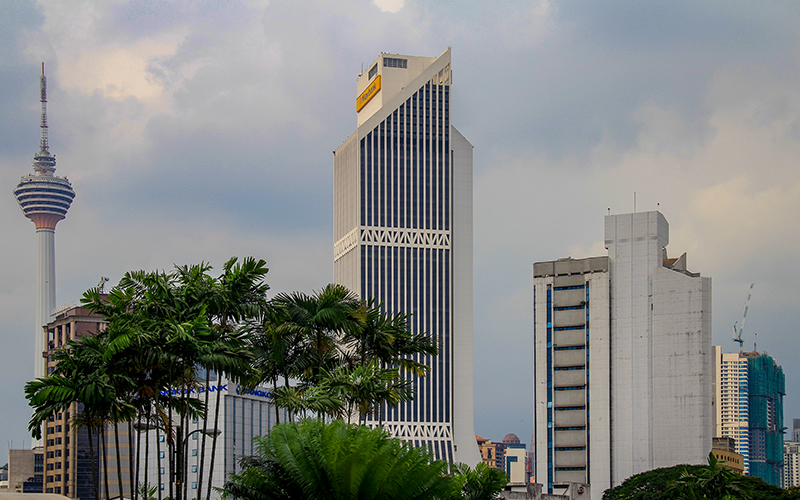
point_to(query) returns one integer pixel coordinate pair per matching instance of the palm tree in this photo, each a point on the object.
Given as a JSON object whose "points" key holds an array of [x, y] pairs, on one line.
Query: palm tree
{"points": [[716, 481], [480, 483], [319, 322], [312, 460]]}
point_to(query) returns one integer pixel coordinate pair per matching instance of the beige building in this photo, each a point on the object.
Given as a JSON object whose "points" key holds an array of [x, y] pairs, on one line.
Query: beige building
{"points": [[730, 401], [67, 460]]}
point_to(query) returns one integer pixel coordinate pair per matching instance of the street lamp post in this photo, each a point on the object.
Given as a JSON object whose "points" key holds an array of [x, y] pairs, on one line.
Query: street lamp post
{"points": [[180, 452]]}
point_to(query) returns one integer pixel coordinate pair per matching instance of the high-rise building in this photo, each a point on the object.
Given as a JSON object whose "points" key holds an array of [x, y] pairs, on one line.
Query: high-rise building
{"points": [[44, 199], [766, 388], [730, 401], [403, 235], [791, 464], [69, 456], [622, 360]]}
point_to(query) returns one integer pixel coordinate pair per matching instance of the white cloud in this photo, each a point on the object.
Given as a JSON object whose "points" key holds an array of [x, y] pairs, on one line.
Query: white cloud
{"points": [[389, 5]]}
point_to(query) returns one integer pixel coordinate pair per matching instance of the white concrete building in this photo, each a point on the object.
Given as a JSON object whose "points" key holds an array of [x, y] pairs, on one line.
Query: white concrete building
{"points": [[730, 401], [403, 235], [242, 416], [791, 464], [622, 347]]}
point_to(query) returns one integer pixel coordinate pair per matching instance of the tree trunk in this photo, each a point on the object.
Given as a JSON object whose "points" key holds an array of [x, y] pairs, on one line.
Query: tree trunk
{"points": [[104, 445], [119, 462], [130, 462], [214, 439], [203, 439], [158, 463], [95, 479]]}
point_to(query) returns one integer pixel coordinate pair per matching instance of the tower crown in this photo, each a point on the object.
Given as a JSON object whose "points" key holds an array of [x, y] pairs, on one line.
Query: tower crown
{"points": [[43, 197]]}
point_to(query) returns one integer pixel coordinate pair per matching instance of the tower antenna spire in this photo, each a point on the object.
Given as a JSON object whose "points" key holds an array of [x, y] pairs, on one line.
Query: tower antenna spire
{"points": [[44, 146]]}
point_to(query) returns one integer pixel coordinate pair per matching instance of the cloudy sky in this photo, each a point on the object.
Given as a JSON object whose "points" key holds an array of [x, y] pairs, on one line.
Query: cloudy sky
{"points": [[202, 130]]}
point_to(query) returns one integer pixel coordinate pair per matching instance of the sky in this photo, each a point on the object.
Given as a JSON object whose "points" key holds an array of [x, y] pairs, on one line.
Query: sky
{"points": [[195, 131]]}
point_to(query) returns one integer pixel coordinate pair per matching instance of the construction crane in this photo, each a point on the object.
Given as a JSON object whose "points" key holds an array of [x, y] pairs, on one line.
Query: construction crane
{"points": [[737, 330]]}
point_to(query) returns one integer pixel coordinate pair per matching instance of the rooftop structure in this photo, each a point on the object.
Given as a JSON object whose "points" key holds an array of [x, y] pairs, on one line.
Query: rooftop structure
{"points": [[44, 199]]}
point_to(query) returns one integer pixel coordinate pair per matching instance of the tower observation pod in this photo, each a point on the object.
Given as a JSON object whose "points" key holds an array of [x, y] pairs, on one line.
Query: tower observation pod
{"points": [[45, 200]]}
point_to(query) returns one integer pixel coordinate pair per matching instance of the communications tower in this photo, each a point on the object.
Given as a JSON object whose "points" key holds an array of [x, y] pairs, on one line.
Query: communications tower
{"points": [[44, 198]]}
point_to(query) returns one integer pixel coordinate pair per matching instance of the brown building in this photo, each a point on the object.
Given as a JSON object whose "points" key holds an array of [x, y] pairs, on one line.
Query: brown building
{"points": [[67, 458], [724, 449]]}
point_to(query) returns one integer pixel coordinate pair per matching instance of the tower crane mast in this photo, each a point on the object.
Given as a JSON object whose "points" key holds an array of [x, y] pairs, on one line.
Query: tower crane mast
{"points": [[737, 330]]}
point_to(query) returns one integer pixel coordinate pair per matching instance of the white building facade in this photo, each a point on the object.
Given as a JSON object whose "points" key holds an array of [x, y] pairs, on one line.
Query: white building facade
{"points": [[791, 464], [623, 375], [403, 235], [731, 401], [242, 417]]}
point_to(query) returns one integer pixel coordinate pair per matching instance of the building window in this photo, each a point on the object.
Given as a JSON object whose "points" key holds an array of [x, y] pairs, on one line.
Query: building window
{"points": [[194, 437], [194, 453], [161, 438], [373, 71], [160, 454], [393, 62], [194, 485], [58, 465], [161, 470], [194, 468], [162, 486]]}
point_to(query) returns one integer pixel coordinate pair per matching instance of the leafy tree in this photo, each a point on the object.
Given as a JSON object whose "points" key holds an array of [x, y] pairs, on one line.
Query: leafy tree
{"points": [[665, 484], [480, 483], [313, 460], [716, 481]]}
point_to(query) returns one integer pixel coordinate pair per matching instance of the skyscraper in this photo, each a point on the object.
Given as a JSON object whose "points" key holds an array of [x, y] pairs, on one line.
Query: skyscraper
{"points": [[403, 235], [44, 199], [730, 401], [622, 350]]}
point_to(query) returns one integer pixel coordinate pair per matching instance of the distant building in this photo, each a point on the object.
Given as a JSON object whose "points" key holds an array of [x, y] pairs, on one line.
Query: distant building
{"points": [[791, 464], [748, 395], [67, 458], [25, 471], [766, 388], [510, 456], [796, 429], [492, 454], [724, 449], [242, 416], [731, 402], [622, 360]]}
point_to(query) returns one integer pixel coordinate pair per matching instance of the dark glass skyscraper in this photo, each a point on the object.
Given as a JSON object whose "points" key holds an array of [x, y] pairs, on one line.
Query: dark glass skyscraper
{"points": [[403, 235]]}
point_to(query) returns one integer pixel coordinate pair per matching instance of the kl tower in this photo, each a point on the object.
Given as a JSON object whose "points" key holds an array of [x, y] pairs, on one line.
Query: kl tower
{"points": [[44, 199]]}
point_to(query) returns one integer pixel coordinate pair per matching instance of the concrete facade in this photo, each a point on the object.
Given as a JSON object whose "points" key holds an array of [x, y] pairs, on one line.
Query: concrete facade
{"points": [[623, 365], [403, 235], [571, 355]]}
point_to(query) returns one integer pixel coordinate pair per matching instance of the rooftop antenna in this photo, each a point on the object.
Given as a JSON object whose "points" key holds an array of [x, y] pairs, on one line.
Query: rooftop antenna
{"points": [[738, 330], [102, 284]]}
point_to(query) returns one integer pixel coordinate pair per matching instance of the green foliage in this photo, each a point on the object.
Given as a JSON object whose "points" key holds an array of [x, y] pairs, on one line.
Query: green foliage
{"points": [[312, 460], [480, 483], [712, 481], [351, 357]]}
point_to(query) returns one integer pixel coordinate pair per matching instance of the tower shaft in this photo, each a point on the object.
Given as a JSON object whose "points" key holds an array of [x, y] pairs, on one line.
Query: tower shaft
{"points": [[45, 292]]}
